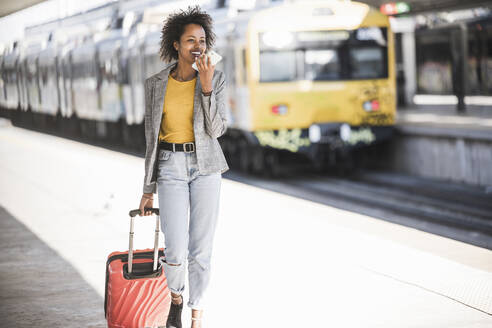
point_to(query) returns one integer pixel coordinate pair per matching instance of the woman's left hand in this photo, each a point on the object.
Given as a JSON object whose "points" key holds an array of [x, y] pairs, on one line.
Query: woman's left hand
{"points": [[206, 71]]}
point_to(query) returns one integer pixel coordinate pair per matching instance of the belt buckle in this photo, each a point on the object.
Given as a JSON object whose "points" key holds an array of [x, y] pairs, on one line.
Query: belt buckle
{"points": [[192, 147]]}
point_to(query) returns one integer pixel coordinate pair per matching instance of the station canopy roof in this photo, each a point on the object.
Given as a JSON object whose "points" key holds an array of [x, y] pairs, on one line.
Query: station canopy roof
{"points": [[426, 6], [8, 7]]}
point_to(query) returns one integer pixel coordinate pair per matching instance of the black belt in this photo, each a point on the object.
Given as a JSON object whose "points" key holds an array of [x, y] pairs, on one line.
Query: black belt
{"points": [[187, 147]]}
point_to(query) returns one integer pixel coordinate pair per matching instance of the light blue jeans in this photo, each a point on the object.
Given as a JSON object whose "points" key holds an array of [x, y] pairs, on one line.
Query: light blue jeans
{"points": [[189, 204]]}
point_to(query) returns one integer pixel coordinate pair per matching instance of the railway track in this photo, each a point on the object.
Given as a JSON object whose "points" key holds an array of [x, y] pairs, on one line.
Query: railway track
{"points": [[455, 211]]}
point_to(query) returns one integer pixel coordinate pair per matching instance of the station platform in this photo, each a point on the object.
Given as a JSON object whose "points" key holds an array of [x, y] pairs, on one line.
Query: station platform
{"points": [[279, 261], [446, 121]]}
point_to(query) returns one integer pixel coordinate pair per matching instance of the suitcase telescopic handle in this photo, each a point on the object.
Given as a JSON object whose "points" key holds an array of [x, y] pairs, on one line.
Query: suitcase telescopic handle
{"points": [[134, 213]]}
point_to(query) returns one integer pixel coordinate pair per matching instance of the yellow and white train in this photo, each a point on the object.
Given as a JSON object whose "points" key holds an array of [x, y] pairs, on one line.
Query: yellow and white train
{"points": [[314, 79]]}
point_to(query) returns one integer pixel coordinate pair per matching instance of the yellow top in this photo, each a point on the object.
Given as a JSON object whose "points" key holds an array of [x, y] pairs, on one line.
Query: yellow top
{"points": [[177, 122]]}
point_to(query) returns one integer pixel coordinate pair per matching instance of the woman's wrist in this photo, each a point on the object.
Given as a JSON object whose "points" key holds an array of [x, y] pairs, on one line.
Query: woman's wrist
{"points": [[148, 196], [207, 93], [206, 87]]}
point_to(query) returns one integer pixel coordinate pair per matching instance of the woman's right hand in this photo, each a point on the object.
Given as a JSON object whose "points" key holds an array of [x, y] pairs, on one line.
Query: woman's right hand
{"points": [[147, 201]]}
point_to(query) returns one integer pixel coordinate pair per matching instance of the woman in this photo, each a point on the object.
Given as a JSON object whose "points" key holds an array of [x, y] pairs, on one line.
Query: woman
{"points": [[184, 116]]}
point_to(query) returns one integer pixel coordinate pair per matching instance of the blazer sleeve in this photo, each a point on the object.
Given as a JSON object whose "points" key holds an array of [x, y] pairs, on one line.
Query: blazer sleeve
{"points": [[214, 108], [149, 137]]}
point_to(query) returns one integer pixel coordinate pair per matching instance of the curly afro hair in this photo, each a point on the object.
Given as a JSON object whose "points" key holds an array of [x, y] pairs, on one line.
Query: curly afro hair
{"points": [[174, 27]]}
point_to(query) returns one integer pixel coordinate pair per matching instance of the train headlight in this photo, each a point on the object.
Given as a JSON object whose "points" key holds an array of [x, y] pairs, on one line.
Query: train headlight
{"points": [[345, 132], [279, 109], [371, 106], [375, 105], [314, 133]]}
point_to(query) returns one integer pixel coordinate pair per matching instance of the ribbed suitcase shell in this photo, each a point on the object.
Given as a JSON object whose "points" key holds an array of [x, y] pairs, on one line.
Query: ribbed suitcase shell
{"points": [[135, 303]]}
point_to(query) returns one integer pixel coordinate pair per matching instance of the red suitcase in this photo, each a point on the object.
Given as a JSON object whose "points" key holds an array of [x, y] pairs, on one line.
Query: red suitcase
{"points": [[136, 295]]}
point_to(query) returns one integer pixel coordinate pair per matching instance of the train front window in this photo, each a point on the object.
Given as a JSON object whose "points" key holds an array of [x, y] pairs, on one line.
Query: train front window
{"points": [[322, 65], [367, 63], [278, 66], [324, 55]]}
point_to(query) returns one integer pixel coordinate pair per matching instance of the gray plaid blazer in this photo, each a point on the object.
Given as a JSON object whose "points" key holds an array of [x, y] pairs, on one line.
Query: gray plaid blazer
{"points": [[209, 123]]}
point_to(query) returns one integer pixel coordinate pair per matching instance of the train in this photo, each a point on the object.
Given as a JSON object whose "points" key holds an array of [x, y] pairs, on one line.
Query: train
{"points": [[308, 82]]}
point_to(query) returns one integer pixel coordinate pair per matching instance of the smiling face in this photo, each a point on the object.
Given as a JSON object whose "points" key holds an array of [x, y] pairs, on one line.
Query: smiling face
{"points": [[191, 44]]}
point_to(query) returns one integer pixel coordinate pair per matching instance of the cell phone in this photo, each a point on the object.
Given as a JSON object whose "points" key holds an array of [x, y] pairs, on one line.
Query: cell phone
{"points": [[215, 57]]}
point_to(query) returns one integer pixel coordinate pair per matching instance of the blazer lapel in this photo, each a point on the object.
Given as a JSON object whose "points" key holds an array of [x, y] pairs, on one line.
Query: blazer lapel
{"points": [[159, 92]]}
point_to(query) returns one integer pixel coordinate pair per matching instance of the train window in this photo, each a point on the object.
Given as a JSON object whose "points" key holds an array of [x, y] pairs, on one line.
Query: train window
{"points": [[10, 75], [44, 74], [52, 72], [135, 74], [122, 74], [367, 63], [322, 65], [116, 68], [277, 66], [324, 55]]}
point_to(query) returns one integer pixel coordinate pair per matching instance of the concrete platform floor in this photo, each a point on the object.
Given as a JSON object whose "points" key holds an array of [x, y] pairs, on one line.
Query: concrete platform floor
{"points": [[279, 261], [38, 287], [446, 117]]}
